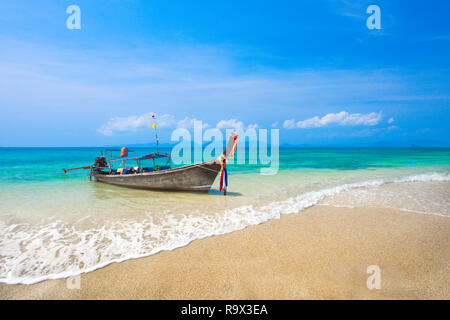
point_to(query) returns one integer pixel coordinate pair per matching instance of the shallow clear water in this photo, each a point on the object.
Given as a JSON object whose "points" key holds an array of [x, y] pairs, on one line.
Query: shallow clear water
{"points": [[54, 225]]}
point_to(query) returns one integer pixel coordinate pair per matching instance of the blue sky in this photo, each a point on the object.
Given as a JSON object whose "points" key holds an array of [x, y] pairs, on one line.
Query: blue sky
{"points": [[312, 69]]}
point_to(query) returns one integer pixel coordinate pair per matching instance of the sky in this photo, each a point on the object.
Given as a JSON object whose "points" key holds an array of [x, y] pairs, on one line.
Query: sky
{"points": [[312, 69]]}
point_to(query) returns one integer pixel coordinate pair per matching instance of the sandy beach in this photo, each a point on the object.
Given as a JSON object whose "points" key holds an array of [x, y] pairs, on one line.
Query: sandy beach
{"points": [[320, 253]]}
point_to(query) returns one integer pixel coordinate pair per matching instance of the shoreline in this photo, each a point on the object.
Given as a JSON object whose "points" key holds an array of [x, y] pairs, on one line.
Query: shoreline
{"points": [[320, 253]]}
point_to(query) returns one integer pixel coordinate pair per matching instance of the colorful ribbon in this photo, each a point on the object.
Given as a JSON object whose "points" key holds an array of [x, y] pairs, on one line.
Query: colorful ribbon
{"points": [[222, 161], [223, 176]]}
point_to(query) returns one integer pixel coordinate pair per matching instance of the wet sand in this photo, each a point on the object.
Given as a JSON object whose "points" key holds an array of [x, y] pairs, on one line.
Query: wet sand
{"points": [[320, 253]]}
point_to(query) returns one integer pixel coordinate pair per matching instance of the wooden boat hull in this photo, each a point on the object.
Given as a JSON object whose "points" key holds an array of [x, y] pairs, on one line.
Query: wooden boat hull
{"points": [[196, 177]]}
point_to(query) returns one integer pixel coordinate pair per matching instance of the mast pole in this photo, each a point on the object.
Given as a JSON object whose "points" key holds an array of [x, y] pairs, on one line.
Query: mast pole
{"points": [[156, 133], [157, 140]]}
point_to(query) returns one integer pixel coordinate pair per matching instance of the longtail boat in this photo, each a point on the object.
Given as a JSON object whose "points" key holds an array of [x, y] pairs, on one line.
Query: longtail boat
{"points": [[195, 177]]}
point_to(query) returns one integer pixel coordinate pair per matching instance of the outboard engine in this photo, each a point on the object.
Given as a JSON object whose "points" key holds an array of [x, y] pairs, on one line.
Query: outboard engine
{"points": [[100, 162]]}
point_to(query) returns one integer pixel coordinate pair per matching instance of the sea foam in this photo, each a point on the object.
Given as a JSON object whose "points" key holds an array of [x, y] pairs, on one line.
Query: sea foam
{"points": [[33, 253]]}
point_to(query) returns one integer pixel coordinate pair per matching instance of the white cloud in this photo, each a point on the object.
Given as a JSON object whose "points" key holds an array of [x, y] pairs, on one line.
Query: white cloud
{"points": [[124, 124], [232, 123], [275, 124], [391, 120], [235, 124], [342, 118], [289, 124], [188, 123]]}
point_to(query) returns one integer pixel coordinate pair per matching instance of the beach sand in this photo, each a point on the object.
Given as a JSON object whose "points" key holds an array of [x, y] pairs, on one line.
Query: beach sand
{"points": [[321, 253]]}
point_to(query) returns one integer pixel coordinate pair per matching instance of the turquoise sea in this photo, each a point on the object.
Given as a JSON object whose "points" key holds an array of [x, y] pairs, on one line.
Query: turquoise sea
{"points": [[55, 225]]}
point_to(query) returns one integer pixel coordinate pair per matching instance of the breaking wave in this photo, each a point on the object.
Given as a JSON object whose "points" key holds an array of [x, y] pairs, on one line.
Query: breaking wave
{"points": [[33, 253]]}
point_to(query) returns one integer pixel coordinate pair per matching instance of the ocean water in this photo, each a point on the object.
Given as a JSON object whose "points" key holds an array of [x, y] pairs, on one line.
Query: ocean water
{"points": [[54, 225]]}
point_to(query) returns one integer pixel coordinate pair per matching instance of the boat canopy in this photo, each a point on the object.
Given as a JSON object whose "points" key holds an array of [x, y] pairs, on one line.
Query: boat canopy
{"points": [[155, 155]]}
